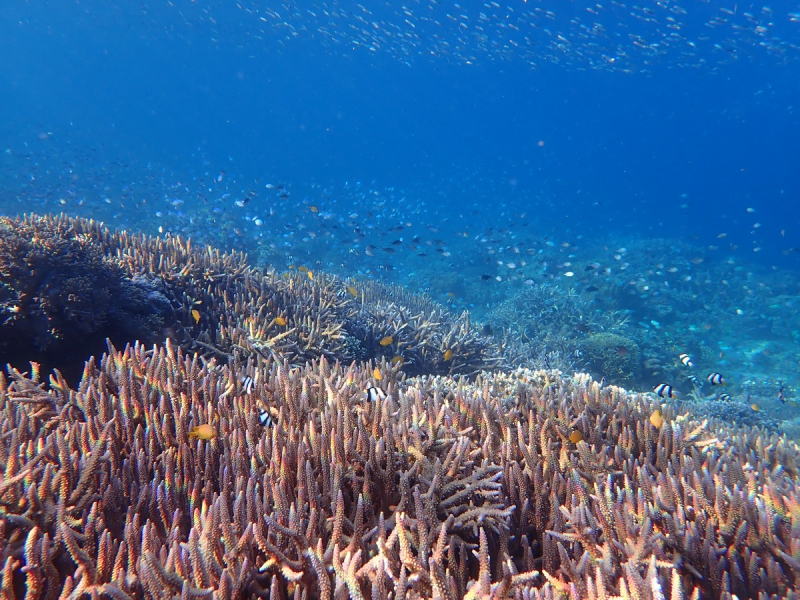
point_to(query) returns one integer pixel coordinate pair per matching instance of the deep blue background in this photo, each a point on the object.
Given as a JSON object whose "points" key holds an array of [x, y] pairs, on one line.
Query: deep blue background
{"points": [[676, 152]]}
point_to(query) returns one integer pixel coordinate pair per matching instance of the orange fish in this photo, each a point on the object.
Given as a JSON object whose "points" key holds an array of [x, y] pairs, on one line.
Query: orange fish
{"points": [[575, 437], [353, 291], [657, 419], [385, 341], [377, 374], [280, 321], [196, 315], [398, 360], [448, 355], [203, 432]]}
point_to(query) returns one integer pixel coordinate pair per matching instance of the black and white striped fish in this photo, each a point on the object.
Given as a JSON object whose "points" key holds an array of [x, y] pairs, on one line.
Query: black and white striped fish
{"points": [[686, 360], [715, 379], [374, 394], [265, 417], [664, 390]]}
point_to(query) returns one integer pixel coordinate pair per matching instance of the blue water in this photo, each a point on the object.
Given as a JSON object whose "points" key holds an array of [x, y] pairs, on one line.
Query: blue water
{"points": [[163, 86], [303, 132]]}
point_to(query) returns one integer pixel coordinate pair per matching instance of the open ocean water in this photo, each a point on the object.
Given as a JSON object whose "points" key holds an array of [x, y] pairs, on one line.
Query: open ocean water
{"points": [[638, 162]]}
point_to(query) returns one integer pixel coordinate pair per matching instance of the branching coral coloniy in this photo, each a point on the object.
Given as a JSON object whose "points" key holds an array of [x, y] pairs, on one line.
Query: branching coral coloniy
{"points": [[61, 296], [439, 488], [220, 306]]}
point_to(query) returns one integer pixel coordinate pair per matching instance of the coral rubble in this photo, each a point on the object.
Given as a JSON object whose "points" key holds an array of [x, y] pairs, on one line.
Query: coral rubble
{"points": [[440, 488]]}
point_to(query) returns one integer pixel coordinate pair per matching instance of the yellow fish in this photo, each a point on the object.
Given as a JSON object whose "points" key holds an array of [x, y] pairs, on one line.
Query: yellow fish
{"points": [[280, 321], [755, 407], [448, 355], [313, 209], [310, 275], [385, 341], [196, 315], [302, 269], [575, 437], [203, 432], [398, 360], [377, 374], [657, 419], [353, 291]]}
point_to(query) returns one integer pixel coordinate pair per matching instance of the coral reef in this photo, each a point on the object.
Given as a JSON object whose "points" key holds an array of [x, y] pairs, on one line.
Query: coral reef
{"points": [[61, 296], [428, 338], [521, 484], [554, 320], [612, 356], [733, 412], [220, 306]]}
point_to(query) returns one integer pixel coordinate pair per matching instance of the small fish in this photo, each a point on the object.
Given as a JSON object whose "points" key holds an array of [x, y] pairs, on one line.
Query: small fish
{"points": [[782, 393], [621, 351], [377, 374], [280, 321], [582, 327], [387, 340], [265, 418], [203, 432], [694, 379], [755, 407], [353, 291], [575, 437], [724, 397], [398, 360], [657, 419], [487, 329], [247, 385], [302, 269], [196, 315], [686, 360], [592, 288], [375, 394], [313, 208], [665, 390], [715, 379], [448, 355], [310, 275], [485, 277]]}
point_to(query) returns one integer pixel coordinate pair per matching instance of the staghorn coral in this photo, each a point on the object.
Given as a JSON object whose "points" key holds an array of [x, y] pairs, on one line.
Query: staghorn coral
{"points": [[444, 488], [733, 412], [422, 332], [221, 307], [554, 319]]}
